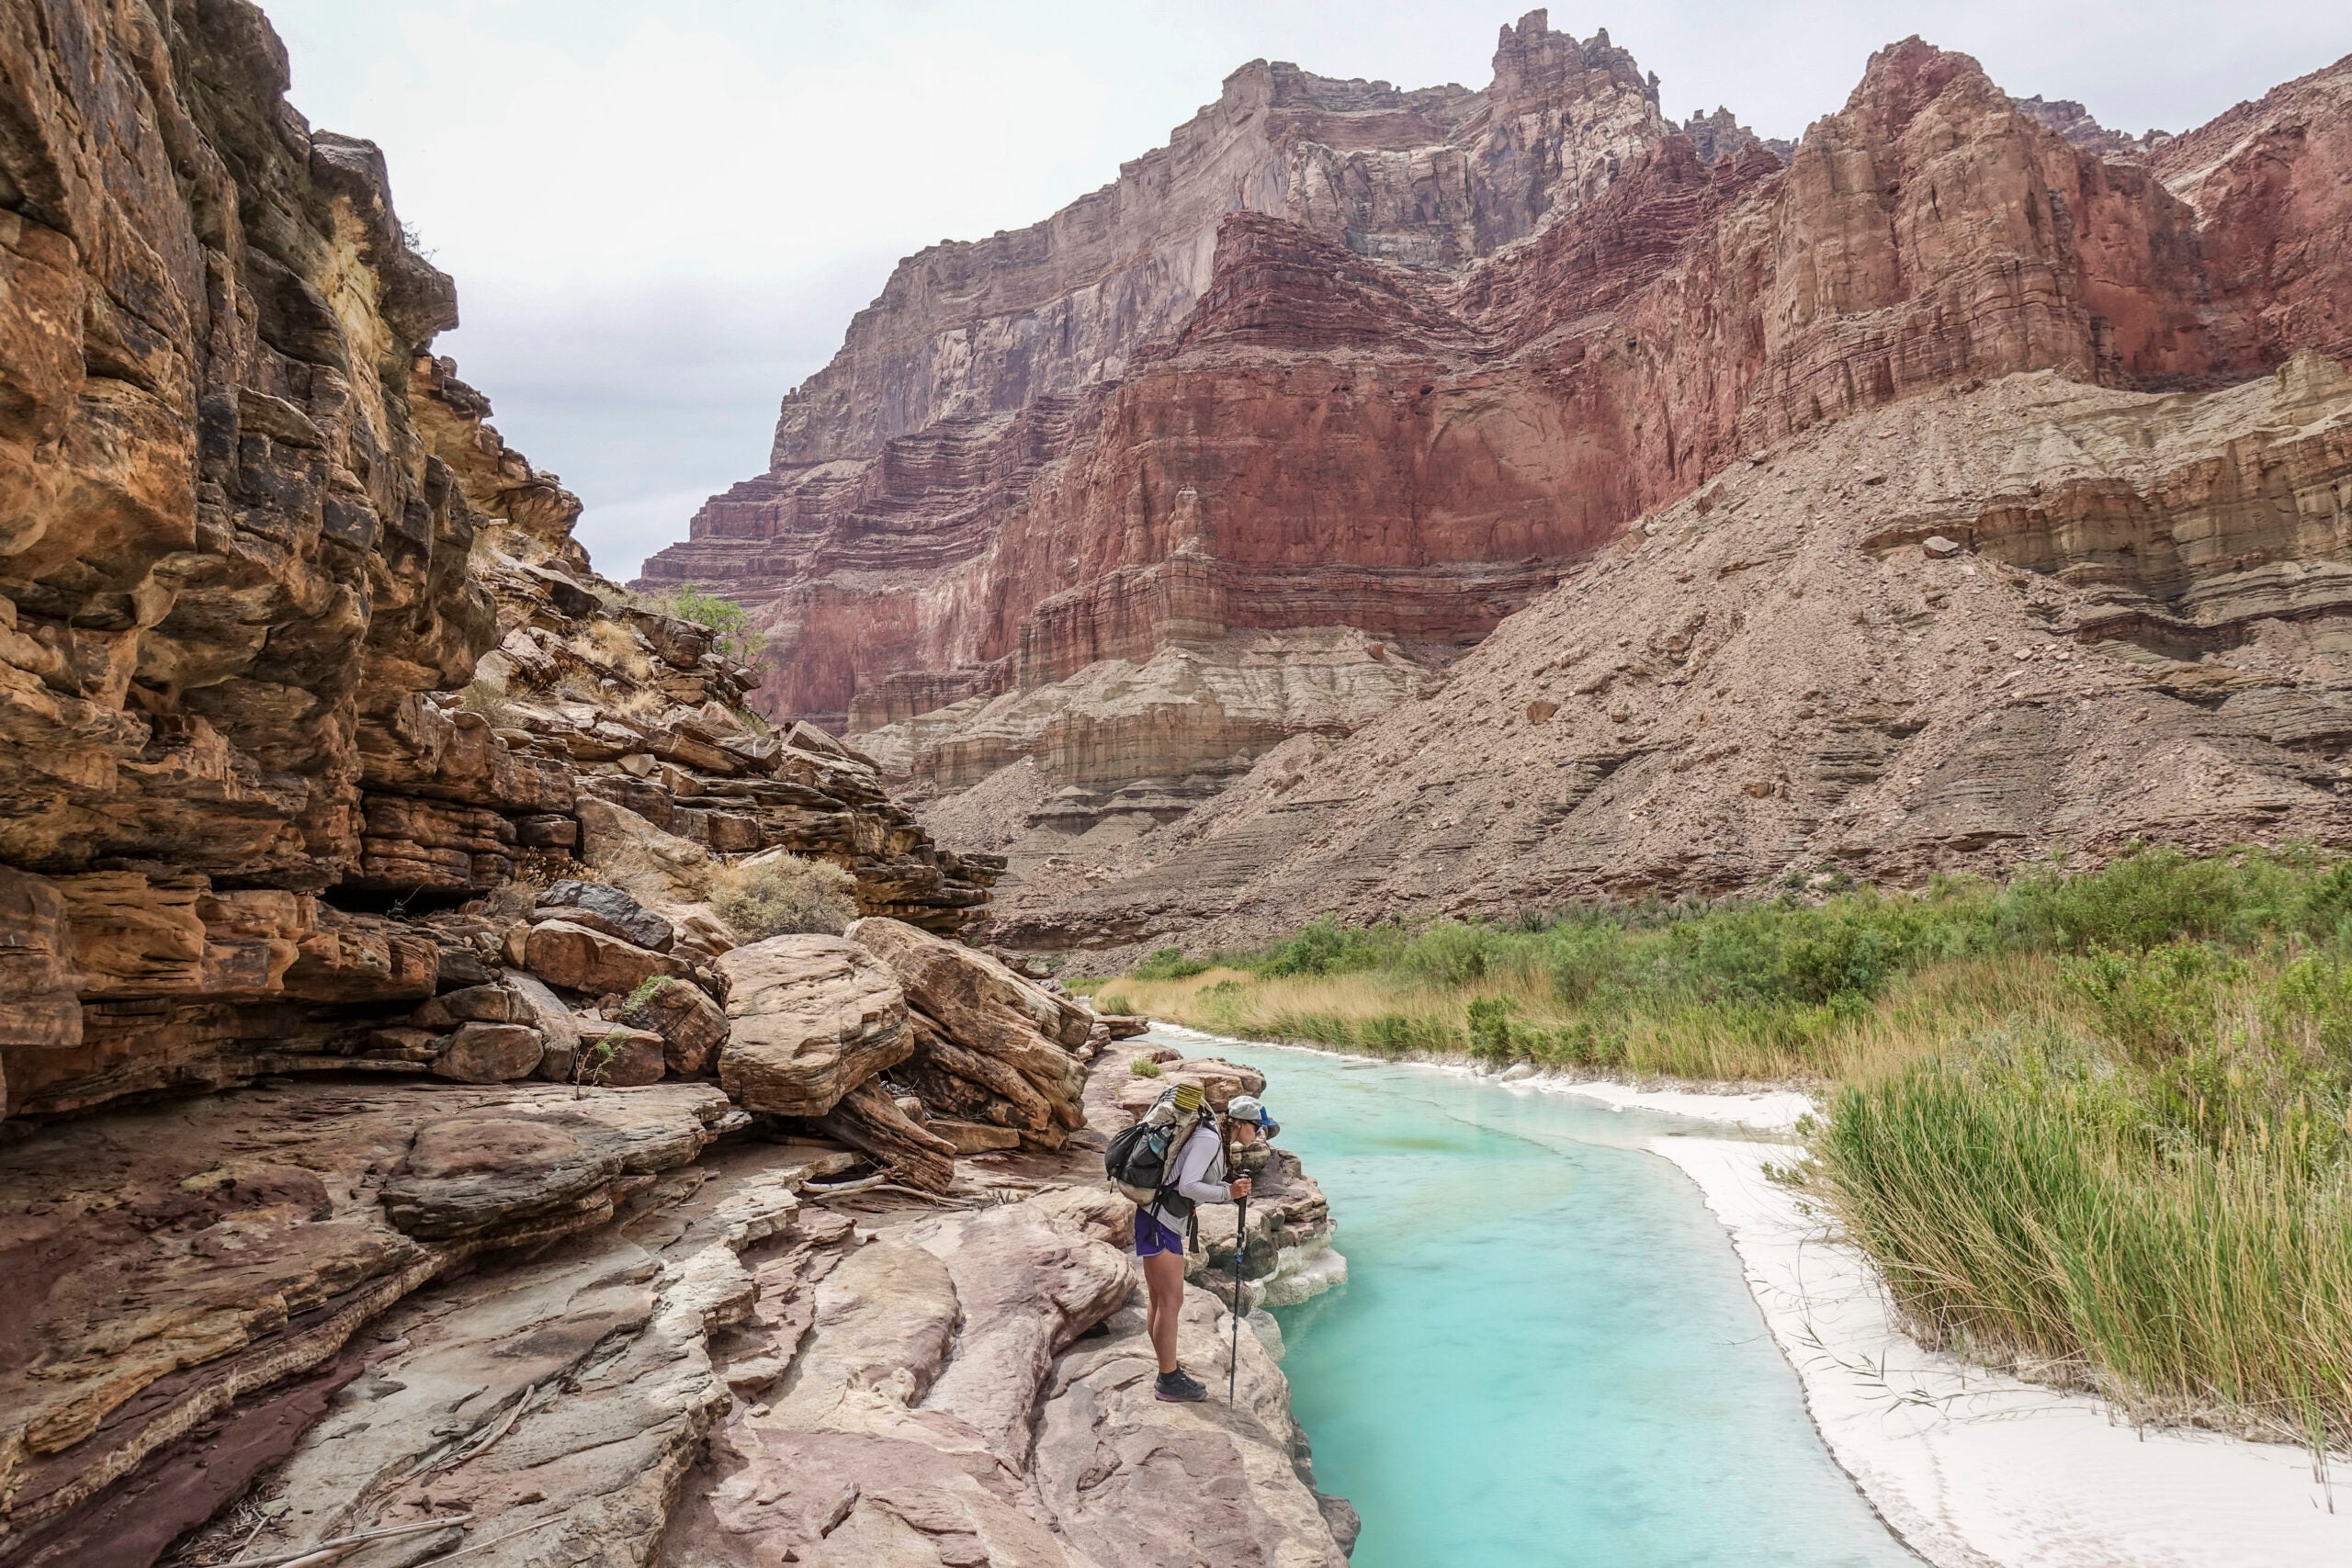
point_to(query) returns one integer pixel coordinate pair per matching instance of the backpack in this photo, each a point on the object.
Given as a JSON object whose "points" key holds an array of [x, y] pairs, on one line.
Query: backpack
{"points": [[1141, 1160]]}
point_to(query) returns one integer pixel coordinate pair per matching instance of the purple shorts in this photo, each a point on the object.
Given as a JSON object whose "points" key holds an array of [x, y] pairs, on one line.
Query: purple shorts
{"points": [[1152, 1236]]}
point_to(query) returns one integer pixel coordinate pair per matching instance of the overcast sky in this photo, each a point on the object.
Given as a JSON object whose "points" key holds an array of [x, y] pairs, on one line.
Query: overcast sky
{"points": [[661, 214]]}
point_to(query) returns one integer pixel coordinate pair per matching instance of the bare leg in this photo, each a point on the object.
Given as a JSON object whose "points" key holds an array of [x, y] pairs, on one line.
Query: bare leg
{"points": [[1163, 1277]]}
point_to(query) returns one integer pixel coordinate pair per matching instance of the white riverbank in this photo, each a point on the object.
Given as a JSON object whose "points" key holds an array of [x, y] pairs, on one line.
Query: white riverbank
{"points": [[1770, 1111], [1974, 1468]]}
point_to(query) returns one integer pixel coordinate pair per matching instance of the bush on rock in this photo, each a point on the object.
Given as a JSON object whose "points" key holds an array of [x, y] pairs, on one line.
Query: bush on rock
{"points": [[785, 895]]}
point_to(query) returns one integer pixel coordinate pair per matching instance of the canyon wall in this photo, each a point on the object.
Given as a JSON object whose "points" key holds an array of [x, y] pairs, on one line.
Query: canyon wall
{"points": [[1333, 431], [264, 572], [1968, 629]]}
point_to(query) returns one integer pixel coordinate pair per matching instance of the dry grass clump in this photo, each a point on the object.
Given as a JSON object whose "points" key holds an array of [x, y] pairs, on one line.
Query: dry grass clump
{"points": [[615, 646], [783, 895], [490, 702]]}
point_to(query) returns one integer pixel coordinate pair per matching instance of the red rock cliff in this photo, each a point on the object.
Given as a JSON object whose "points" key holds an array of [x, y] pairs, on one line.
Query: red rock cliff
{"points": [[1333, 426]]}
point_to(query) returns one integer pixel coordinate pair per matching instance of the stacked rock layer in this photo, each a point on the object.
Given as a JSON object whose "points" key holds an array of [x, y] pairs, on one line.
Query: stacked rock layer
{"points": [[1064, 493]]}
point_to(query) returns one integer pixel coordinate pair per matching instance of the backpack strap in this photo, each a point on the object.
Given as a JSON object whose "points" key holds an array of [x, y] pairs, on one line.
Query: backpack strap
{"points": [[1176, 1145]]}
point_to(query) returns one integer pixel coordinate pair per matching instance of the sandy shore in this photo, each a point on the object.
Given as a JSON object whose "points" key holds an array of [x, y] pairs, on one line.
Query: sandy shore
{"points": [[1974, 1468]]}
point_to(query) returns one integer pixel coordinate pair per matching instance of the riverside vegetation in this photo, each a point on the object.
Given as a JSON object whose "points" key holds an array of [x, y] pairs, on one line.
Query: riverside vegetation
{"points": [[2093, 1126]]}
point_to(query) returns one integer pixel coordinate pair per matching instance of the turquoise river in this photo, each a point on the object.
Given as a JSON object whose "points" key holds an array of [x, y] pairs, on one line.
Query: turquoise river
{"points": [[1544, 1354]]}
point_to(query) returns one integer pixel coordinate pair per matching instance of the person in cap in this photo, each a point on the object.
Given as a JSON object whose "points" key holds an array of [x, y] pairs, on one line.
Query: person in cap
{"points": [[1200, 1172]]}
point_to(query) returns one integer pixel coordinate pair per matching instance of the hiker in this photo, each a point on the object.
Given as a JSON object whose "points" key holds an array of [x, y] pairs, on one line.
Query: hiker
{"points": [[1198, 1169]]}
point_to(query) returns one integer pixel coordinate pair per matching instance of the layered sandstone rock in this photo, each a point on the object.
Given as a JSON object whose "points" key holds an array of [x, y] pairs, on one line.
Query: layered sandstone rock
{"points": [[810, 1019], [2269, 181], [178, 1259], [1946, 636], [294, 651], [981, 366], [989, 1046], [671, 1342], [336, 781]]}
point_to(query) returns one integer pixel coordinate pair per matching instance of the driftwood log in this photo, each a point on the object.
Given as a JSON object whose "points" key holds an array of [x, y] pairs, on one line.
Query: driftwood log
{"points": [[868, 1119]]}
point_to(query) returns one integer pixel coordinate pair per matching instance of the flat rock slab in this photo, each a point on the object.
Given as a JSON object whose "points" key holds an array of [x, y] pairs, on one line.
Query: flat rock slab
{"points": [[1146, 1484], [564, 1395], [169, 1259]]}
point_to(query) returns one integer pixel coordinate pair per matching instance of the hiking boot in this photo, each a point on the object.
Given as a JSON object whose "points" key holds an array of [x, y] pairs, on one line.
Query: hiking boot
{"points": [[1178, 1388]]}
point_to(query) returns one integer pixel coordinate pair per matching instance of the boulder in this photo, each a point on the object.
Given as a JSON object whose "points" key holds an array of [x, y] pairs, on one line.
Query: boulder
{"points": [[471, 1004], [692, 1026], [601, 906], [633, 853], [1124, 1026], [490, 1053], [556, 1026], [701, 934], [973, 997], [809, 1017], [617, 1055], [578, 959]]}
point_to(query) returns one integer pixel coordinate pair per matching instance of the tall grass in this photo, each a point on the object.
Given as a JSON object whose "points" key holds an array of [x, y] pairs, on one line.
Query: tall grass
{"points": [[2177, 1236], [2091, 1125]]}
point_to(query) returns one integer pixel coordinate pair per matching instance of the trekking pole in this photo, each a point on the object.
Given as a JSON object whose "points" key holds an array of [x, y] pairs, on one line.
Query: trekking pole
{"points": [[1240, 1235]]}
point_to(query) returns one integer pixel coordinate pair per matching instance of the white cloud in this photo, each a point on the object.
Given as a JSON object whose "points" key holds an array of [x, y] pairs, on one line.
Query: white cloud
{"points": [[659, 218]]}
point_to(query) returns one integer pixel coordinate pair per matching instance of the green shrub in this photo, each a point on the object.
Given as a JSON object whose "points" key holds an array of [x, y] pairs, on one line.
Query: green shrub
{"points": [[1324, 946], [1454, 953], [738, 638], [1144, 1068], [782, 895], [649, 989], [2162, 1002], [1580, 958], [1168, 964]]}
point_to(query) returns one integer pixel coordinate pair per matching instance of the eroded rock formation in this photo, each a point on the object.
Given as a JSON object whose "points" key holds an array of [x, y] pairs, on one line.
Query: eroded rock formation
{"points": [[1947, 635], [258, 543], [1327, 439]]}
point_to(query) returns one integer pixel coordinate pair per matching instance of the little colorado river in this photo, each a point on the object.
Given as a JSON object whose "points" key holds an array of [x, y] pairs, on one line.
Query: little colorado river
{"points": [[1545, 1353]]}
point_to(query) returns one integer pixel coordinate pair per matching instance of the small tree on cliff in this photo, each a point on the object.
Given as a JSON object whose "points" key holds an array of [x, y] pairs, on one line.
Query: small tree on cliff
{"points": [[738, 638]]}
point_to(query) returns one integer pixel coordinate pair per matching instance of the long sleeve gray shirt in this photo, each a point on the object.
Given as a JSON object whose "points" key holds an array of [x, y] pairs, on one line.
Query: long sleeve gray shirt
{"points": [[1200, 1174]]}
